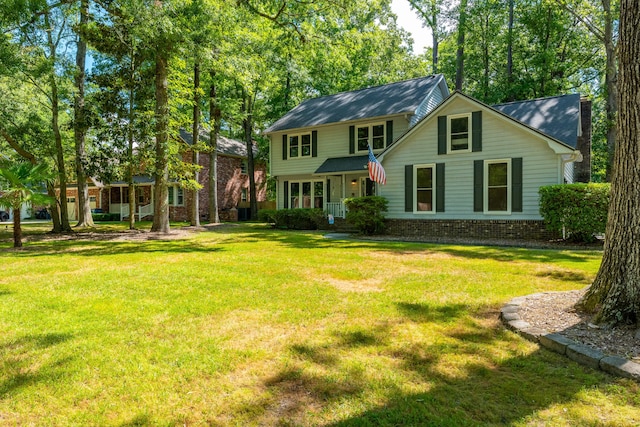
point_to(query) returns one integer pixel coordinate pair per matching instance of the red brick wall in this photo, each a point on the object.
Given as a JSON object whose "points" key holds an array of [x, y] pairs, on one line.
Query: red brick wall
{"points": [[230, 184], [483, 229]]}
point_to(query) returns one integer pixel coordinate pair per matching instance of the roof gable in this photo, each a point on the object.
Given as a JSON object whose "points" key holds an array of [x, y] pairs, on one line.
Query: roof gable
{"points": [[225, 146], [394, 98], [527, 111]]}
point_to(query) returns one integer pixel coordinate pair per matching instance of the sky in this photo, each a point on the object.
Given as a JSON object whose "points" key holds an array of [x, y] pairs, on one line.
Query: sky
{"points": [[409, 20]]}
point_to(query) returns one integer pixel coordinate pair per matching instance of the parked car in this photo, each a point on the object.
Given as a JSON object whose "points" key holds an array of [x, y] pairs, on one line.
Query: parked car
{"points": [[4, 216], [43, 214]]}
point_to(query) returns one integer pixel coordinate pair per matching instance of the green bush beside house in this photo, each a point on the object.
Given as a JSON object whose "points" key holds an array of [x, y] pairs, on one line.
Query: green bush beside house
{"points": [[578, 210], [367, 213]]}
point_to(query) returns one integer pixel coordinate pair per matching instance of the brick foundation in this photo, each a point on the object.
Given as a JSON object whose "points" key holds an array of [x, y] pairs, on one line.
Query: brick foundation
{"points": [[478, 229]]}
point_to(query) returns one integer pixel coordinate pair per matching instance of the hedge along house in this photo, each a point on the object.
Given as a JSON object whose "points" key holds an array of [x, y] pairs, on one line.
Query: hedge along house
{"points": [[232, 187], [469, 169], [319, 149]]}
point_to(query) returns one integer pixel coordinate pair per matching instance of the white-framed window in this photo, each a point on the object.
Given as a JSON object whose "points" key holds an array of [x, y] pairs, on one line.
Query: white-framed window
{"points": [[497, 191], [300, 145], [176, 195], [243, 195], [374, 134], [424, 184], [244, 167], [459, 133], [306, 194]]}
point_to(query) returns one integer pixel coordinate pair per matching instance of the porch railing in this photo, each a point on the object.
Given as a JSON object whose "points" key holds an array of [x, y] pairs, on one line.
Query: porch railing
{"points": [[336, 209], [145, 210], [123, 210]]}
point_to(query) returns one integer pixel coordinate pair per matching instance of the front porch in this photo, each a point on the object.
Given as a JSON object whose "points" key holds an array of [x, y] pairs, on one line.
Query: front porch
{"points": [[327, 192], [118, 201]]}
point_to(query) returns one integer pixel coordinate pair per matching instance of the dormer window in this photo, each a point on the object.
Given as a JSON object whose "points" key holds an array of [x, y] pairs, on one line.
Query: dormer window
{"points": [[459, 135]]}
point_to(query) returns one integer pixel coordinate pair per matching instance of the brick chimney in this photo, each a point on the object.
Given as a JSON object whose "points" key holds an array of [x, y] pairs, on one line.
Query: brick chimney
{"points": [[582, 170]]}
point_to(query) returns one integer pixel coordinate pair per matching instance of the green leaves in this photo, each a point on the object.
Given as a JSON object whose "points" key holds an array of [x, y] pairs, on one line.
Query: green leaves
{"points": [[578, 209], [23, 182]]}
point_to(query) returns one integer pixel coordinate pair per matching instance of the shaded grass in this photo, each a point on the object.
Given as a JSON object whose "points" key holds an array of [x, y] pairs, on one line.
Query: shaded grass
{"points": [[250, 326]]}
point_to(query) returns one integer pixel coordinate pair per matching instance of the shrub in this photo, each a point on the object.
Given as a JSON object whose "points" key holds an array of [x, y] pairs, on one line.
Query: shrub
{"points": [[579, 209], [366, 213], [293, 219], [101, 217], [267, 215]]}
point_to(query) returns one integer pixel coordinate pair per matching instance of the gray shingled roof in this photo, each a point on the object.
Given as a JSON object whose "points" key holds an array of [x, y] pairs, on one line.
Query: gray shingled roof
{"points": [[379, 101], [226, 146], [558, 116], [343, 164]]}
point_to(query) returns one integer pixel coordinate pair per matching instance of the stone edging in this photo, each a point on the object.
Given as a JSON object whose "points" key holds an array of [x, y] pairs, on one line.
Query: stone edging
{"points": [[585, 355]]}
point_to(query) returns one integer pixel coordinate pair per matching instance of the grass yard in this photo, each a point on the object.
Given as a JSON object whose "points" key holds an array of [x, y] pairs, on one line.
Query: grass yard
{"points": [[246, 325]]}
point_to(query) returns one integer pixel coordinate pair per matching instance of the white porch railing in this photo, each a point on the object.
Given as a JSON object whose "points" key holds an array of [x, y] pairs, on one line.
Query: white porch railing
{"points": [[123, 210], [145, 210], [336, 209]]}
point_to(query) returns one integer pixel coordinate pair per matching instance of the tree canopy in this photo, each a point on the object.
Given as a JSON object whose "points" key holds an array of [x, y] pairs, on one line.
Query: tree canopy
{"points": [[260, 59]]}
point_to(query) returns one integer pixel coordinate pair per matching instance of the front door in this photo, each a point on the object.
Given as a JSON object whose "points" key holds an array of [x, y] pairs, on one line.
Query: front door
{"points": [[367, 187]]}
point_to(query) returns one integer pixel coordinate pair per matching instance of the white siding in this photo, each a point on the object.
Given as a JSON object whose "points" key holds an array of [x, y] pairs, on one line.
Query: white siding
{"points": [[427, 106], [501, 139], [333, 141]]}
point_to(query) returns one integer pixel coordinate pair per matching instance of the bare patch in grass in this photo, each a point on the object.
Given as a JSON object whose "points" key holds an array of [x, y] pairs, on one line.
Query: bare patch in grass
{"points": [[408, 255], [366, 285], [248, 330]]}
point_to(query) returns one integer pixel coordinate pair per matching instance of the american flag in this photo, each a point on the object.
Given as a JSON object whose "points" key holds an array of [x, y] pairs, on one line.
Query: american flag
{"points": [[376, 171]]}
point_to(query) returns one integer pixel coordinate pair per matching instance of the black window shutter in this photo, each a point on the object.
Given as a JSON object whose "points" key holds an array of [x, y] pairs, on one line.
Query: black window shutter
{"points": [[285, 147], [389, 132], [352, 139], [328, 190], [286, 194], [439, 187], [516, 184], [476, 131], [408, 188], [478, 190], [442, 134], [314, 143]]}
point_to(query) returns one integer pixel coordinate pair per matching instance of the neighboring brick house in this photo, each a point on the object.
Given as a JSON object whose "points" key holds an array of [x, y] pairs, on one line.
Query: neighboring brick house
{"points": [[233, 187]]}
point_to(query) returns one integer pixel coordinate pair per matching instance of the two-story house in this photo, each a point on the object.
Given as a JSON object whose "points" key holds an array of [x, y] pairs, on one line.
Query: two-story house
{"points": [[454, 166], [319, 149]]}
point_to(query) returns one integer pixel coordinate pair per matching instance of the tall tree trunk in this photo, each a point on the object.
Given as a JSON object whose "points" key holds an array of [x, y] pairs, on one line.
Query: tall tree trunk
{"points": [[130, 140], [17, 229], [430, 16], [130, 164], [460, 52], [62, 173], [79, 125], [214, 117], [510, 91], [611, 78], [55, 212], [615, 292], [195, 202], [485, 59], [247, 107], [161, 202], [435, 39]]}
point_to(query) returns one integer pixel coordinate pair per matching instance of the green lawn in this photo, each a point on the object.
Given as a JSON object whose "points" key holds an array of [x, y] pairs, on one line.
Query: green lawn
{"points": [[246, 325]]}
